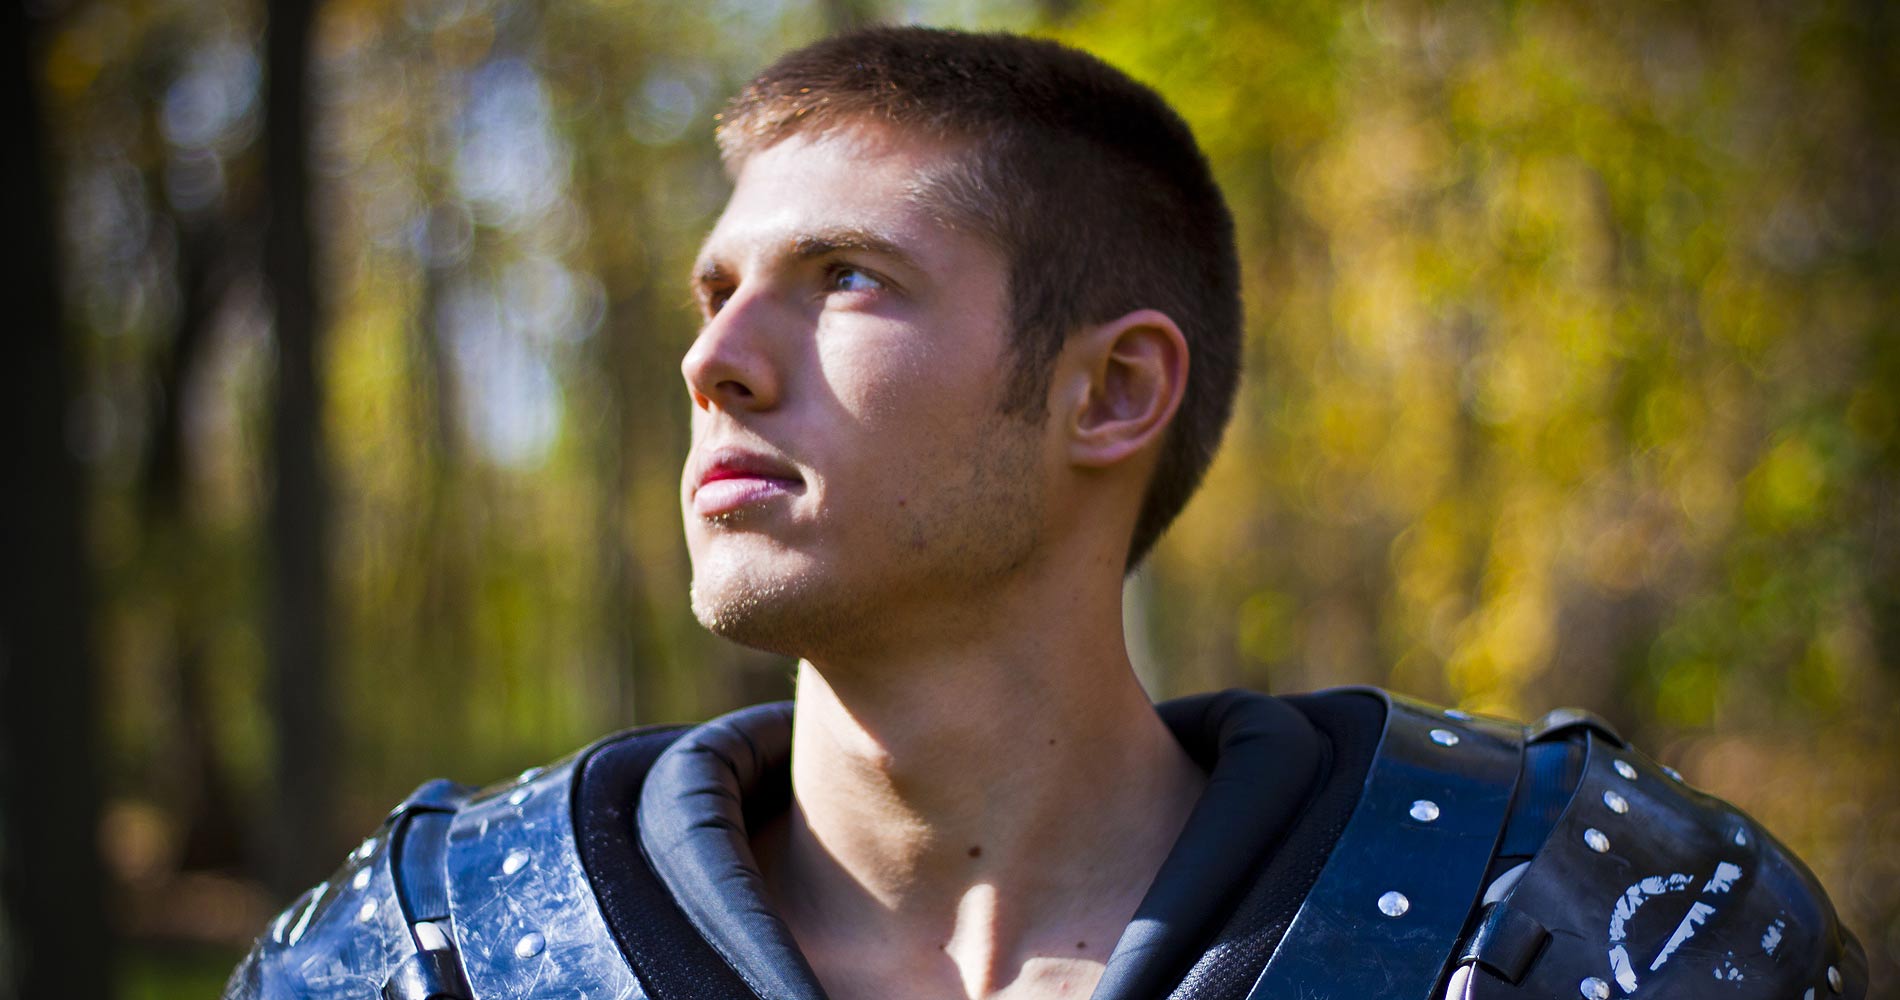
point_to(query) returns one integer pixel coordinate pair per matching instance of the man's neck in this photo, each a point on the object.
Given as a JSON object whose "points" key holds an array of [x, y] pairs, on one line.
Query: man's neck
{"points": [[986, 828]]}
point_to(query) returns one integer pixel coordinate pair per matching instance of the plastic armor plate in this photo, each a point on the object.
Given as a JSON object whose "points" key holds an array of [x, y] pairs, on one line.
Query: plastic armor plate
{"points": [[525, 921], [339, 939]]}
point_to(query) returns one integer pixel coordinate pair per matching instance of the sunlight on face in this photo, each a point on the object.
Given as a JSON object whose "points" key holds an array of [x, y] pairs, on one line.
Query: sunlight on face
{"points": [[852, 472]]}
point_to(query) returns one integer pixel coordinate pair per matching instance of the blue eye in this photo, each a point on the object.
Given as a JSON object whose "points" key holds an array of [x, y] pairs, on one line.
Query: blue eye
{"points": [[850, 279]]}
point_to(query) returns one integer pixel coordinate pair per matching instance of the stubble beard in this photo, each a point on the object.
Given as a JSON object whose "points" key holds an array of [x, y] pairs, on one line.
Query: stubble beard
{"points": [[975, 532]]}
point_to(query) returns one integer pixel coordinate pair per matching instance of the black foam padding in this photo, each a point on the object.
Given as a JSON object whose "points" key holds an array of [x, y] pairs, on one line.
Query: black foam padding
{"points": [[668, 956], [703, 799], [1263, 759], [1351, 723]]}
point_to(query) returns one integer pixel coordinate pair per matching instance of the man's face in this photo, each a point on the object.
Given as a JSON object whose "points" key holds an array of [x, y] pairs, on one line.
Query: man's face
{"points": [[851, 469]]}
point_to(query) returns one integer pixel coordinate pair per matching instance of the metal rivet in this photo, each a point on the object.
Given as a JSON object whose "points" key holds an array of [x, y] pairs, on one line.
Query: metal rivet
{"points": [[1597, 841], [364, 849], [1834, 979], [1672, 772], [521, 795], [1617, 803], [1741, 837], [369, 910], [361, 881], [1594, 989], [530, 945], [1459, 714], [1394, 904], [529, 775], [1623, 768], [1444, 737], [1424, 810], [514, 861]]}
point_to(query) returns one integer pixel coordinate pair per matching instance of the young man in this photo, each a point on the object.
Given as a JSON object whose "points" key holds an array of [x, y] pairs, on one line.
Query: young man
{"points": [[970, 335]]}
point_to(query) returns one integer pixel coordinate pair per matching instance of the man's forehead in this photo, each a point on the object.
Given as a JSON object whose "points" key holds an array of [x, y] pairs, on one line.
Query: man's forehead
{"points": [[865, 188]]}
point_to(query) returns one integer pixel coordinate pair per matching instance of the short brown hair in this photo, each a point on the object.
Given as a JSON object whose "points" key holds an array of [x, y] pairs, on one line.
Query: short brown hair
{"points": [[1087, 181]]}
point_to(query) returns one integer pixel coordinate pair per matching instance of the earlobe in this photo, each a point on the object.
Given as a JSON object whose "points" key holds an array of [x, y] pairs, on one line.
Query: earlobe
{"points": [[1136, 368]]}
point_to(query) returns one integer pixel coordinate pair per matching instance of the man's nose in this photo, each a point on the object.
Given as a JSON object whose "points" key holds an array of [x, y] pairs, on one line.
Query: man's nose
{"points": [[731, 365]]}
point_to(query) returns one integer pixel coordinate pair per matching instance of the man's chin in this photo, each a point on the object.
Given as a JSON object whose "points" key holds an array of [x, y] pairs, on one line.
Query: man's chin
{"points": [[777, 617]]}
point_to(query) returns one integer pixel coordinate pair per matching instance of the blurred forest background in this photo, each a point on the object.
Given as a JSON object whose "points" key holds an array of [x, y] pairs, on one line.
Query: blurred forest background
{"points": [[348, 420]]}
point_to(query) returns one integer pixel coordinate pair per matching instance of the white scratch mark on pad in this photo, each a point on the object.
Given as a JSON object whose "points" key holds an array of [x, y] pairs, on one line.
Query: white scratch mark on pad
{"points": [[1684, 931], [1771, 938], [1725, 876], [1620, 968], [1636, 895]]}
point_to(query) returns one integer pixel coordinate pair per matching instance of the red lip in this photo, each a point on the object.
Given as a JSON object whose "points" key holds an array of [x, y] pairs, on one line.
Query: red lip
{"points": [[750, 476]]}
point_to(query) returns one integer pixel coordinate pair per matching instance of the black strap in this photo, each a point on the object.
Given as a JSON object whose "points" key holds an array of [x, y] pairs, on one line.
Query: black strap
{"points": [[1384, 917], [1506, 942], [418, 856], [1551, 773]]}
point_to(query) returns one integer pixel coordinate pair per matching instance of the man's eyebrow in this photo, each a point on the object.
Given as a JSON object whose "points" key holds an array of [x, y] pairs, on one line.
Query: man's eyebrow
{"points": [[710, 270], [806, 246], [707, 272]]}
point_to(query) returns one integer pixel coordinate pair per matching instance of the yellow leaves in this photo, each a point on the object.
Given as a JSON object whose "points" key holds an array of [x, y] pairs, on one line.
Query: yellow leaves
{"points": [[1430, 558], [1705, 493], [367, 374], [1505, 647], [1418, 458], [1385, 155], [1688, 693], [1349, 423], [1741, 311], [465, 41], [1621, 554], [92, 39], [1264, 626], [1785, 490], [1255, 83], [72, 61], [1874, 414]]}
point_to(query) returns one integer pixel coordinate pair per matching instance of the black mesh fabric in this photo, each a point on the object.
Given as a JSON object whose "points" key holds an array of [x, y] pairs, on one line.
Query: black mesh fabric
{"points": [[1351, 723]]}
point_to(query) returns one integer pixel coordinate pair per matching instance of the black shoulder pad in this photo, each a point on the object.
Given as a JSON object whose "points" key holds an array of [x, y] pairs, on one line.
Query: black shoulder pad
{"points": [[1648, 888], [457, 894]]}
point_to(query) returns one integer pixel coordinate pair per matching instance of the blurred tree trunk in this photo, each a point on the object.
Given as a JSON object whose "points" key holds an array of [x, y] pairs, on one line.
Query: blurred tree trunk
{"points": [[54, 941], [208, 252], [444, 557], [302, 838]]}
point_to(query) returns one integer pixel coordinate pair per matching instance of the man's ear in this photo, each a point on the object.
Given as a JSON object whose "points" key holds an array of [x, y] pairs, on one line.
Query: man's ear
{"points": [[1124, 382]]}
